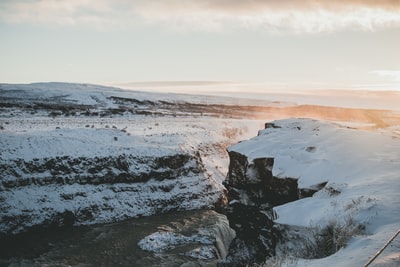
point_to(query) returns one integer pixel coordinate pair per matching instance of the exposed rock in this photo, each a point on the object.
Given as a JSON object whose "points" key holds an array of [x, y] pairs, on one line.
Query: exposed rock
{"points": [[97, 170], [64, 191], [253, 191], [271, 125]]}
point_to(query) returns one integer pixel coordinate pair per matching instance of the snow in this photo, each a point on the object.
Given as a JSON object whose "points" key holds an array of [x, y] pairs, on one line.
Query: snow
{"points": [[362, 171], [86, 142], [361, 168], [91, 94], [163, 241], [36, 137]]}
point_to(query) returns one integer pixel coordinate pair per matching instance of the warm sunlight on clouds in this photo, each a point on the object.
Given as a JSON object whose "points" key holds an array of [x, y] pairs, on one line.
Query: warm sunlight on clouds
{"points": [[55, 13], [281, 44], [284, 16], [274, 16]]}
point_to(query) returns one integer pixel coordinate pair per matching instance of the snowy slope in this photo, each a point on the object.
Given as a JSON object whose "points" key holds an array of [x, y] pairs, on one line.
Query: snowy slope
{"points": [[362, 171]]}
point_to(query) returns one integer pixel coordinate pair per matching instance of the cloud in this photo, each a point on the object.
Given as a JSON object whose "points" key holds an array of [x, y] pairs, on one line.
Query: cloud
{"points": [[73, 13], [279, 16]]}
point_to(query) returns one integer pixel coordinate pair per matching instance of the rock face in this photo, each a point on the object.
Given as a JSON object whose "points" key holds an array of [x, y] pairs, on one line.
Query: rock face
{"points": [[73, 191], [82, 154], [94, 171], [253, 191]]}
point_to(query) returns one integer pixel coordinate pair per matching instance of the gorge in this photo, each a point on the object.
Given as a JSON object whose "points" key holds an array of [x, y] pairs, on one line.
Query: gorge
{"points": [[138, 178]]}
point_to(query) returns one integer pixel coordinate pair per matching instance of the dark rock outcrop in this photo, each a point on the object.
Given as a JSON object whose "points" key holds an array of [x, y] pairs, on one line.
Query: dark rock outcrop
{"points": [[98, 170], [253, 191]]}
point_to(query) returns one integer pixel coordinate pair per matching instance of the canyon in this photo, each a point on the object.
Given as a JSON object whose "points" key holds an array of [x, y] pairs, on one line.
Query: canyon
{"points": [[77, 155]]}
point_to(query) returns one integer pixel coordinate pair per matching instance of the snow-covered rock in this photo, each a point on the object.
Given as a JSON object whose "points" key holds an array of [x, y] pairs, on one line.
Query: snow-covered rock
{"points": [[313, 175], [208, 242]]}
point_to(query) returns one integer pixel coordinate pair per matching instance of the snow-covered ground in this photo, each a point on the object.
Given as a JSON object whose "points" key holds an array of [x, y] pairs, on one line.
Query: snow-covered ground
{"points": [[49, 120], [362, 171], [52, 133]]}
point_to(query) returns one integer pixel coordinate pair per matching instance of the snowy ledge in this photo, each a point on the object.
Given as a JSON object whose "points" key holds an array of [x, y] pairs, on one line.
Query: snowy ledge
{"points": [[362, 175]]}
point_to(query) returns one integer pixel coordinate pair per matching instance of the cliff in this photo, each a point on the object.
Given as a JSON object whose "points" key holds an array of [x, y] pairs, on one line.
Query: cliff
{"points": [[306, 189], [85, 187], [78, 154]]}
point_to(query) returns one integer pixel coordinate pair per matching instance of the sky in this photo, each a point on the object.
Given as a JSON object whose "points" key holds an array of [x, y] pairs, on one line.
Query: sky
{"points": [[317, 44]]}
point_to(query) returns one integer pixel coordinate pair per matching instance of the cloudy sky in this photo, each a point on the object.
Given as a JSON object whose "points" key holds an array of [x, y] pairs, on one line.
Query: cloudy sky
{"points": [[342, 44]]}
